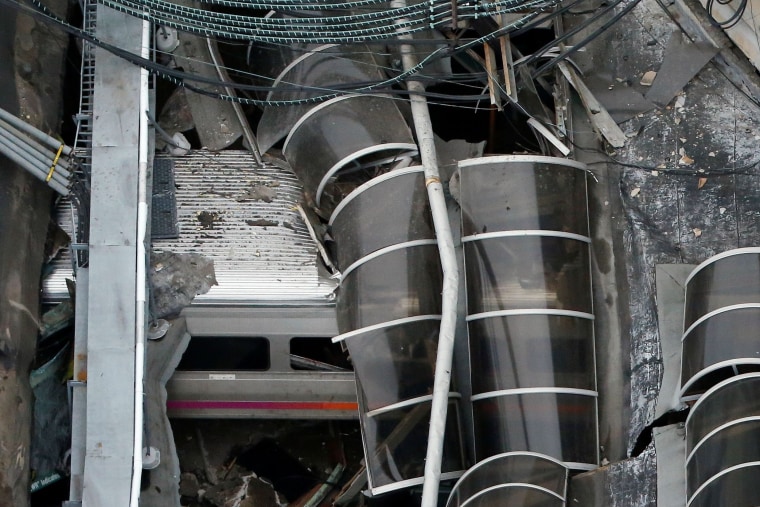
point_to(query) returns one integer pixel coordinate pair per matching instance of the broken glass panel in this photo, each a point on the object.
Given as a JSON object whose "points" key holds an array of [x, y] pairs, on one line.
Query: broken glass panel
{"points": [[737, 488], [312, 74], [396, 363], [396, 444], [521, 272], [733, 400], [344, 135], [518, 351], [398, 284], [727, 281], [559, 425], [388, 210], [722, 337], [731, 446], [510, 468], [523, 195]]}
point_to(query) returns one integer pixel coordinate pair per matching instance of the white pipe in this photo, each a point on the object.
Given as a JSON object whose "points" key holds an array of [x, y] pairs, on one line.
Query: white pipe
{"points": [[142, 224], [424, 129]]}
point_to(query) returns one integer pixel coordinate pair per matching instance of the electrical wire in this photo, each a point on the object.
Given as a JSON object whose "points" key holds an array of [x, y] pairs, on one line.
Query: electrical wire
{"points": [[181, 78], [582, 43], [733, 20], [205, 24]]}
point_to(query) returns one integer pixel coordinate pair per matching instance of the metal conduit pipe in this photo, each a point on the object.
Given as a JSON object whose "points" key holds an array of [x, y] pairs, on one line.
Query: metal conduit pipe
{"points": [[41, 136], [34, 148], [426, 141], [32, 164], [34, 170], [41, 165]]}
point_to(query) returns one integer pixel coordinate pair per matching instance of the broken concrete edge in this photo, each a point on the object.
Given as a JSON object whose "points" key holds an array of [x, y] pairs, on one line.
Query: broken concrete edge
{"points": [[670, 280], [162, 358]]}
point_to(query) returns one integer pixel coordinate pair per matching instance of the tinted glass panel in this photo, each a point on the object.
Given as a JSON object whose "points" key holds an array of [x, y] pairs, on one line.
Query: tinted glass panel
{"points": [[731, 446], [562, 426], [722, 337], [396, 363], [527, 272], [241, 353], [728, 281], [732, 401], [504, 196], [328, 67], [738, 488], [390, 212], [515, 496], [398, 284], [396, 444], [340, 130], [523, 468], [318, 354], [532, 351]]}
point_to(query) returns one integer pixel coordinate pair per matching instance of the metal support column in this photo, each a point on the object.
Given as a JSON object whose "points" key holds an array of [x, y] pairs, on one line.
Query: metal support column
{"points": [[112, 260]]}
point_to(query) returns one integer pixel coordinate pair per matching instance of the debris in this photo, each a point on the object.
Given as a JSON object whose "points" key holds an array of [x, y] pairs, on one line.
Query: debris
{"points": [[711, 154], [316, 498], [210, 472], [685, 160], [697, 232], [258, 193], [622, 102], [648, 78], [721, 210], [655, 173], [262, 222], [189, 485], [681, 63], [680, 102], [215, 120], [56, 240], [181, 146], [269, 461], [701, 183], [175, 116], [549, 136], [312, 225], [208, 219], [598, 115], [636, 191], [175, 280]]}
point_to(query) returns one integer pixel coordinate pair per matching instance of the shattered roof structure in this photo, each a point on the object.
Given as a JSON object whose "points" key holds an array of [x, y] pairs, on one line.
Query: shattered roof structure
{"points": [[584, 363]]}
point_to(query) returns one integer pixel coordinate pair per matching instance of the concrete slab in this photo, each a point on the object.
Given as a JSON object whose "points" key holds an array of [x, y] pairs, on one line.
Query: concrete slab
{"points": [[628, 483], [215, 119], [670, 447], [671, 289], [162, 357]]}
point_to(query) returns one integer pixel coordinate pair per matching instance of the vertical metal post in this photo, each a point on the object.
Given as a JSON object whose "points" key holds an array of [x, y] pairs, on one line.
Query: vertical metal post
{"points": [[426, 141]]}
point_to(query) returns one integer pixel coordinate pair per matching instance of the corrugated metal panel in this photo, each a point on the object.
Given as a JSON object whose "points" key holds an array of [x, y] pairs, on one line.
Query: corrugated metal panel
{"points": [[54, 285], [254, 263]]}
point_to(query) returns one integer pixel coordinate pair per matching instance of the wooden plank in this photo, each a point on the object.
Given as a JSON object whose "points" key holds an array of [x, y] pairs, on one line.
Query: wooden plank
{"points": [[599, 116], [490, 58]]}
